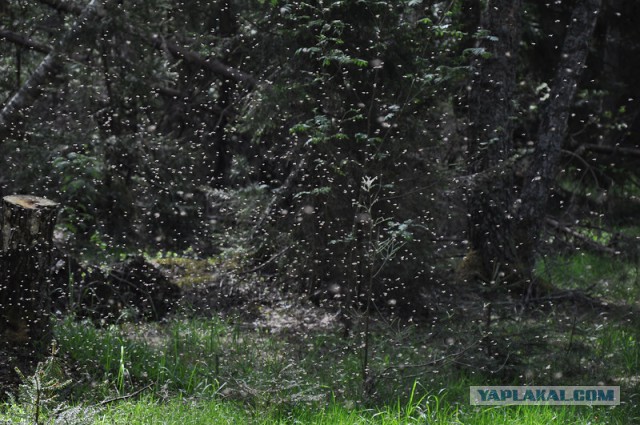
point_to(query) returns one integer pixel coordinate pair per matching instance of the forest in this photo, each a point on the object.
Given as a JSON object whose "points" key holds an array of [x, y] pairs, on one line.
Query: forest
{"points": [[322, 212]]}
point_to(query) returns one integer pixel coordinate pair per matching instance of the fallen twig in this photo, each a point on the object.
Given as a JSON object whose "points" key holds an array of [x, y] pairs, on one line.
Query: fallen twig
{"points": [[123, 397]]}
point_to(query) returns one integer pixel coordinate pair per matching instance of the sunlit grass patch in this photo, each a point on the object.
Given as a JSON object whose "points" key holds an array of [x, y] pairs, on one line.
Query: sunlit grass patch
{"points": [[207, 356], [539, 415], [117, 358], [428, 410], [186, 271], [176, 411]]}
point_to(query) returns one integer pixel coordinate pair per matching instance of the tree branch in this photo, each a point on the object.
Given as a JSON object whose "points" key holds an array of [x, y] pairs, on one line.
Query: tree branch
{"points": [[48, 70], [612, 150], [27, 42], [24, 41], [280, 193], [191, 57]]}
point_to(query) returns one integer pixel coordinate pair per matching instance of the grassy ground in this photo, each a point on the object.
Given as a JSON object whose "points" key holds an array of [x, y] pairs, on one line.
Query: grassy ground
{"points": [[197, 369]]}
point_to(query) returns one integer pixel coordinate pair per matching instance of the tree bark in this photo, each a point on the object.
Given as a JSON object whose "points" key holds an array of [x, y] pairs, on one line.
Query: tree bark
{"points": [[505, 243], [25, 257], [490, 137]]}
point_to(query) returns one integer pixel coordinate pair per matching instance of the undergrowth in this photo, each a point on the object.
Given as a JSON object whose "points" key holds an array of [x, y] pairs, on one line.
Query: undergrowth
{"points": [[196, 370]]}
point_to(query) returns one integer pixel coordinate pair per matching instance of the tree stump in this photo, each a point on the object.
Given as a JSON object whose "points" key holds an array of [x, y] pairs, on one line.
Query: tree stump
{"points": [[25, 263]]}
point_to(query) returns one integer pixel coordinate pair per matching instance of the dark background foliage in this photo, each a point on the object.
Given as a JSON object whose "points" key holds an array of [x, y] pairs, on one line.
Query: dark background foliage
{"points": [[327, 138]]}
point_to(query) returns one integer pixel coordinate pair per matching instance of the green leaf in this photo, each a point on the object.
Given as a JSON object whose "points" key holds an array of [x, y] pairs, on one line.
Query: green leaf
{"points": [[360, 62]]}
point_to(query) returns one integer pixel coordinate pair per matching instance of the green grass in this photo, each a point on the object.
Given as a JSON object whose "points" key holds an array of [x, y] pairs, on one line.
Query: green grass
{"points": [[196, 357], [611, 278], [150, 411], [431, 410], [181, 357], [209, 370], [620, 347]]}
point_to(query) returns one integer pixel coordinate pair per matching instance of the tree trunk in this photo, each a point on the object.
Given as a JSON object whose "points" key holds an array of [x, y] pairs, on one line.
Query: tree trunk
{"points": [[26, 242], [490, 138], [552, 132], [504, 232]]}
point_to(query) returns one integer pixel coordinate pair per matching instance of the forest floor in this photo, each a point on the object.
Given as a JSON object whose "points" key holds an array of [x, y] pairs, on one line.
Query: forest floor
{"points": [[238, 350]]}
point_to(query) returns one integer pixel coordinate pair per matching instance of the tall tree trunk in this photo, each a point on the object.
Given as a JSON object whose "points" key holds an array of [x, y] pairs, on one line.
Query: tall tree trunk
{"points": [[552, 132], [218, 149], [490, 137], [502, 242], [613, 43]]}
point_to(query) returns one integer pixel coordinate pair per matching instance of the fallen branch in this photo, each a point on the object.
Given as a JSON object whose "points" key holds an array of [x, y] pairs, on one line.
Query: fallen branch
{"points": [[452, 357], [191, 57], [123, 397], [584, 240], [59, 413], [270, 260]]}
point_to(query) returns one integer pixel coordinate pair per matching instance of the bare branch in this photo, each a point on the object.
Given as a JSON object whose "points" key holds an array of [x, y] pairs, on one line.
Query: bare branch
{"points": [[280, 193], [191, 57], [611, 150], [24, 41]]}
